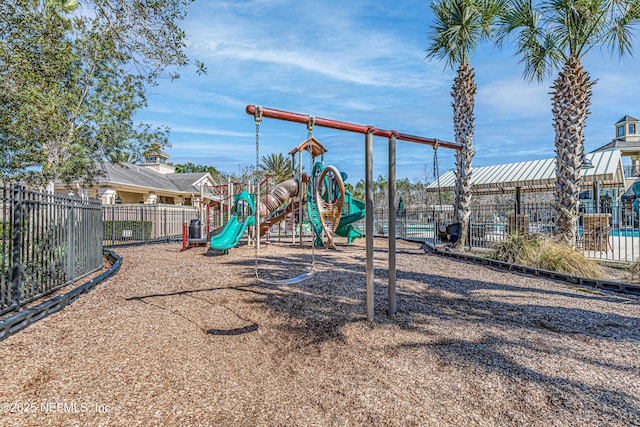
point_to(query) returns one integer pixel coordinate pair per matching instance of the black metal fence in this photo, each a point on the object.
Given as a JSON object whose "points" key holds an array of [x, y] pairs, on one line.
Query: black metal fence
{"points": [[130, 224], [47, 241], [607, 231]]}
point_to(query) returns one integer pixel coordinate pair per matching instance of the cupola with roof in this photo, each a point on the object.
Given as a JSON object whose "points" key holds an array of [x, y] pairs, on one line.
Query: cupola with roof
{"points": [[156, 158]]}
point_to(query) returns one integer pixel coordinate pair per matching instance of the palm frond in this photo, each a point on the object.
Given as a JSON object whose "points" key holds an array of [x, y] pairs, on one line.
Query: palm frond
{"points": [[619, 38], [459, 26]]}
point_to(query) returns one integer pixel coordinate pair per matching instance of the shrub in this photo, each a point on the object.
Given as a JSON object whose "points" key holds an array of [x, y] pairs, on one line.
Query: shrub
{"points": [[517, 249], [546, 254], [559, 257], [634, 271], [126, 230]]}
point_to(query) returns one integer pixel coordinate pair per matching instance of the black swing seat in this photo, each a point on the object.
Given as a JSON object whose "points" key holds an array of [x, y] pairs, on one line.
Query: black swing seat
{"points": [[449, 233]]}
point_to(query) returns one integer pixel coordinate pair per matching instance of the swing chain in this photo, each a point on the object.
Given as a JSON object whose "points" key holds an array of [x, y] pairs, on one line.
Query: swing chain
{"points": [[436, 172], [310, 186], [258, 118]]}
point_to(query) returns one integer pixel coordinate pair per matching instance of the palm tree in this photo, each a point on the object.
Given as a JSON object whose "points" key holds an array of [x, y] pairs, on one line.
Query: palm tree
{"points": [[460, 25], [277, 166], [124, 157], [556, 35]]}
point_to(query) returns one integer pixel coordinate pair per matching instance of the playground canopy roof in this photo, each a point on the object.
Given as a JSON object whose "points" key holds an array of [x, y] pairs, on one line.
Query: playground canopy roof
{"points": [[535, 175], [317, 149]]}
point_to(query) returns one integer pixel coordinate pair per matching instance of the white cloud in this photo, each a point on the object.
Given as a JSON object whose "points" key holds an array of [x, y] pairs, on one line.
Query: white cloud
{"points": [[328, 41], [208, 131], [506, 97]]}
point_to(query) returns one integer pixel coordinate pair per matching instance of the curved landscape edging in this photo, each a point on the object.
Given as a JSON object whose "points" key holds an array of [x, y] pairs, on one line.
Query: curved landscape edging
{"points": [[607, 285], [21, 320]]}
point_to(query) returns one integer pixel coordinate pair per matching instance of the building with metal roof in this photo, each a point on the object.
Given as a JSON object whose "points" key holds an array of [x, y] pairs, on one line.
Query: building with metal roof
{"points": [[608, 171], [536, 175]]}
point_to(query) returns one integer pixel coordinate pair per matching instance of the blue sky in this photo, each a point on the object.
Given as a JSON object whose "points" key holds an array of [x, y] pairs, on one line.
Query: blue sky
{"points": [[359, 61]]}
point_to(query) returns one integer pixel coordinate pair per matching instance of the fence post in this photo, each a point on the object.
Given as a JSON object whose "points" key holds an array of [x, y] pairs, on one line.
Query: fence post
{"points": [[113, 224], [70, 246], [470, 231], [143, 225], [16, 267], [166, 232]]}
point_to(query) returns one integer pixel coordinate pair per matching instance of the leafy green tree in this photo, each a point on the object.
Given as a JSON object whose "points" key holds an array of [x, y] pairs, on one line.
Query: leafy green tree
{"points": [[277, 166], [555, 36], [357, 191], [405, 189], [71, 84], [460, 25], [190, 167], [65, 6], [380, 188], [351, 189]]}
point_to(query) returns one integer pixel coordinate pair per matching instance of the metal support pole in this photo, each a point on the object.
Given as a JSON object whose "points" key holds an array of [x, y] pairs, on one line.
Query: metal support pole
{"points": [[293, 214], [368, 155], [300, 212], [392, 225], [596, 197], [229, 198], [518, 203]]}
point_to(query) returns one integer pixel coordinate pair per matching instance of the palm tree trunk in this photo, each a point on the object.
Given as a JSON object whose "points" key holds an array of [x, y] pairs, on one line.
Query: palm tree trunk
{"points": [[570, 107], [463, 91]]}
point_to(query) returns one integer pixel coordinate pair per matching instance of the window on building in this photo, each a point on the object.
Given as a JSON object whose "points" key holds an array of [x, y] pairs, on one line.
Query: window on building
{"points": [[632, 129], [151, 160], [620, 131], [163, 161]]}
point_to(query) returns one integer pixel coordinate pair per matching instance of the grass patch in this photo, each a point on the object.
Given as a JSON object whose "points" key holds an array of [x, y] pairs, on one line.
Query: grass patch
{"points": [[546, 254], [634, 271]]}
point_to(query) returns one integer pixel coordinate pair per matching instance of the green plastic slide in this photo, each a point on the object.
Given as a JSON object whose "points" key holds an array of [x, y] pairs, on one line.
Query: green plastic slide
{"points": [[233, 231], [353, 211], [231, 234]]}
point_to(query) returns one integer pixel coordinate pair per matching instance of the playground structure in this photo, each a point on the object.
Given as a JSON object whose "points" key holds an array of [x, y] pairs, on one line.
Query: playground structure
{"points": [[329, 207], [369, 131]]}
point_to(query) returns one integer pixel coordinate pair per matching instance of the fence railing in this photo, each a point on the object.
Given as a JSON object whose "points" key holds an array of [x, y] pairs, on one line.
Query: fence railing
{"points": [[47, 241], [607, 231], [631, 171], [127, 224]]}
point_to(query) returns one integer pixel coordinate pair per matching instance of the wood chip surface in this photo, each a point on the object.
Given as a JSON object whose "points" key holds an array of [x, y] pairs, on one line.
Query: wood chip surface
{"points": [[192, 339]]}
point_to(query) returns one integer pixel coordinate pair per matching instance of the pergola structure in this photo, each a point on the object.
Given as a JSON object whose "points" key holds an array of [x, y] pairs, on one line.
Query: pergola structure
{"points": [[369, 132]]}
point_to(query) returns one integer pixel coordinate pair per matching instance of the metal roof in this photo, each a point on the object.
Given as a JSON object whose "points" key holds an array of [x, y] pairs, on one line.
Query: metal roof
{"points": [[535, 175]]}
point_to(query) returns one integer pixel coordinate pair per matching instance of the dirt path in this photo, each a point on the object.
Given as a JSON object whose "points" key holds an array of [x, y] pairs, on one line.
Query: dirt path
{"points": [[185, 339]]}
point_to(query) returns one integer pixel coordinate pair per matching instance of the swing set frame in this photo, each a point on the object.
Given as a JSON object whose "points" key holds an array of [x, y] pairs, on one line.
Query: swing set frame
{"points": [[369, 132]]}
